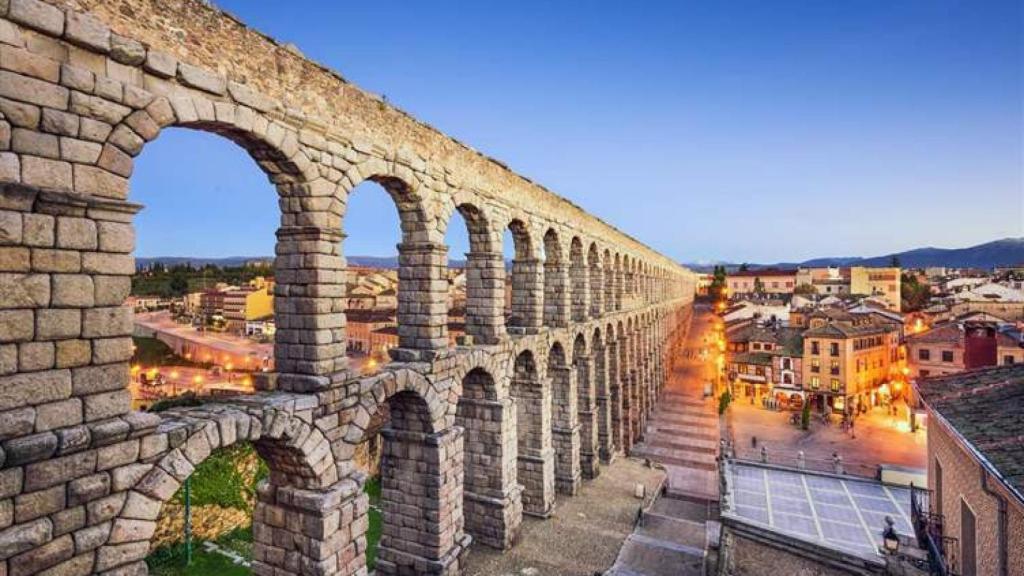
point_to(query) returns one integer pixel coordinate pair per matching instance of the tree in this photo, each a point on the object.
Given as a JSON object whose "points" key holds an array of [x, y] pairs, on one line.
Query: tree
{"points": [[806, 290], [717, 286], [744, 267], [805, 416], [894, 261], [914, 293], [178, 284], [723, 402], [758, 285]]}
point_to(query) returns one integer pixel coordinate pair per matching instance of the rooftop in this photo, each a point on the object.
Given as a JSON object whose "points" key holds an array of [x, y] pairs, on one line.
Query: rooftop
{"points": [[985, 407], [761, 273], [844, 513]]}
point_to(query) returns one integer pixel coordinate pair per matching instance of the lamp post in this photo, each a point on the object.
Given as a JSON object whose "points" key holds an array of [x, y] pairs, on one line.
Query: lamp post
{"points": [[890, 538]]}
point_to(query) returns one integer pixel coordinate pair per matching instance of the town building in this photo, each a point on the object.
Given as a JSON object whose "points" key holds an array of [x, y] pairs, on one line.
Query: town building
{"points": [[848, 363], [882, 282], [974, 515], [764, 281], [241, 305]]}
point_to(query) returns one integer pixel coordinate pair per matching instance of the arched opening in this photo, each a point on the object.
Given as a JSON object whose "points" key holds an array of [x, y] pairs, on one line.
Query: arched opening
{"points": [[491, 496], [421, 504], [203, 315], [565, 432], [373, 233], [477, 282], [525, 289], [596, 281], [586, 403], [217, 506], [535, 458], [578, 275], [556, 296], [619, 282]]}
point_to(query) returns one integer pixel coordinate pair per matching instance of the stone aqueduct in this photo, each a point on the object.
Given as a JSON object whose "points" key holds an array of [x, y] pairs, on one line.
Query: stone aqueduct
{"points": [[477, 435]]}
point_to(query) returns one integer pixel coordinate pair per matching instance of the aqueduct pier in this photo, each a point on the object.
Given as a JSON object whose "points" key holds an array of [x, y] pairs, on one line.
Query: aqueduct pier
{"points": [[476, 435]]}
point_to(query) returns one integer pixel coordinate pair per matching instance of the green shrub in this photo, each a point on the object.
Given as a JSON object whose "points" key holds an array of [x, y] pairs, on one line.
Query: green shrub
{"points": [[723, 402], [226, 478], [805, 416]]}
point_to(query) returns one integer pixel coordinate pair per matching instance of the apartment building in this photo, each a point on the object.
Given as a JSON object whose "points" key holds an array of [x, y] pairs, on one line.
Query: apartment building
{"points": [[847, 364]]}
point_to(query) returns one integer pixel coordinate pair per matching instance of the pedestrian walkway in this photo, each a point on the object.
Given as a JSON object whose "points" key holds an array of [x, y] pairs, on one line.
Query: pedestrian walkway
{"points": [[682, 437]]}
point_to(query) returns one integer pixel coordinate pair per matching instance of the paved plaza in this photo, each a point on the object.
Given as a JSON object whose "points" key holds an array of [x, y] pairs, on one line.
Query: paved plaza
{"points": [[877, 438]]}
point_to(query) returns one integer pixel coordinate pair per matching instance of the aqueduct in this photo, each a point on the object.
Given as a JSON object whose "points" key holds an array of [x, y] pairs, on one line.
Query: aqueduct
{"points": [[533, 403]]}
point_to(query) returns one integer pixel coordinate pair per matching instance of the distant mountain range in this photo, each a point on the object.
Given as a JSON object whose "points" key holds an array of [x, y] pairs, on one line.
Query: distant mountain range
{"points": [[1005, 252], [234, 261]]}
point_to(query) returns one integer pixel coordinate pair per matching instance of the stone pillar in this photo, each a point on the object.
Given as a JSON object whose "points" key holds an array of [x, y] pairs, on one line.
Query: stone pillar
{"points": [[536, 457], [299, 531], [527, 295], [628, 401], [556, 294], [602, 374], [422, 300], [620, 287], [597, 289], [616, 396], [309, 274], [565, 429], [421, 502], [580, 292], [493, 505], [485, 297], [587, 410]]}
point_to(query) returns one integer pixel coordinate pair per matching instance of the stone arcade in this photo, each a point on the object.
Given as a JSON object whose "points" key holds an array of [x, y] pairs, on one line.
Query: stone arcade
{"points": [[531, 405]]}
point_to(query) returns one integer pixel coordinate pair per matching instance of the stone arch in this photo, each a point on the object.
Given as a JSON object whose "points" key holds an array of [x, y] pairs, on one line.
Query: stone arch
{"points": [[527, 289], [275, 148], [564, 419], [422, 256], [484, 273], [578, 280], [596, 281], [556, 282], [492, 500], [536, 471], [374, 396], [296, 451]]}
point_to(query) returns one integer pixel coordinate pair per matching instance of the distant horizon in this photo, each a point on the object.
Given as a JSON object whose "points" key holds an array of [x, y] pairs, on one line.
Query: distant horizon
{"points": [[694, 262]]}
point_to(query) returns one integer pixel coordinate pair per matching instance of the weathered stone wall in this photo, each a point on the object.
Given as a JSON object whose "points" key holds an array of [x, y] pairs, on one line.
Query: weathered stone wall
{"points": [[84, 85]]}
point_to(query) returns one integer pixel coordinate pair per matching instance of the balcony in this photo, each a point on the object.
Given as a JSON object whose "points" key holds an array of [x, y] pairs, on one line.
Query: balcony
{"points": [[928, 529]]}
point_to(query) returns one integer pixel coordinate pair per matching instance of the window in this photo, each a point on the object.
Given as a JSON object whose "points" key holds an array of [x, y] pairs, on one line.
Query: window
{"points": [[1007, 360], [968, 550], [925, 373], [833, 349], [815, 365], [947, 355], [815, 349], [787, 364], [757, 346], [834, 368], [835, 384], [815, 382], [924, 354], [936, 507]]}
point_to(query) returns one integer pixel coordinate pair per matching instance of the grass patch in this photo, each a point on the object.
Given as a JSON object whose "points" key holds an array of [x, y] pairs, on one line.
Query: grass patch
{"points": [[171, 561], [376, 526], [228, 478]]}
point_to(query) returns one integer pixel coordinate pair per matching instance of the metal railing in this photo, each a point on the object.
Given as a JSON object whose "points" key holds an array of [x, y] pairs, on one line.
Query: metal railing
{"points": [[928, 528]]}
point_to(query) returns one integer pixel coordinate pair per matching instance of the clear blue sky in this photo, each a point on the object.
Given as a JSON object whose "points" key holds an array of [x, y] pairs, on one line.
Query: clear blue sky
{"points": [[747, 131]]}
